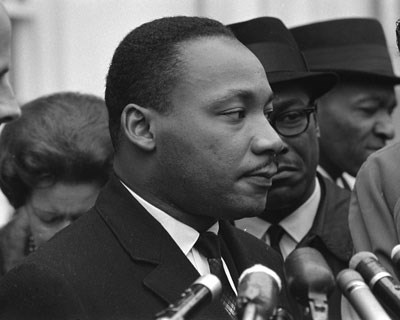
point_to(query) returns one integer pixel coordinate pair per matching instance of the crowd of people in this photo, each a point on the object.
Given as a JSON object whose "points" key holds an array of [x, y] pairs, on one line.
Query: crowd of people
{"points": [[215, 148]]}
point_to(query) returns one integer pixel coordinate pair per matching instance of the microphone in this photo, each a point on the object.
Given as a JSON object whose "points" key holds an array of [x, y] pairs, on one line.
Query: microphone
{"points": [[396, 259], [310, 280], [360, 296], [379, 280], [258, 293], [204, 290]]}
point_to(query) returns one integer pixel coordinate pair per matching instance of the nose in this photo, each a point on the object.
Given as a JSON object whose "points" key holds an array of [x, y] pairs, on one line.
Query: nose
{"points": [[9, 107], [384, 127], [266, 140]]}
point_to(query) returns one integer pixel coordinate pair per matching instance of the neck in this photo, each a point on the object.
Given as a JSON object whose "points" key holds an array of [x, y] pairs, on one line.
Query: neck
{"points": [[276, 215], [198, 222], [333, 170]]}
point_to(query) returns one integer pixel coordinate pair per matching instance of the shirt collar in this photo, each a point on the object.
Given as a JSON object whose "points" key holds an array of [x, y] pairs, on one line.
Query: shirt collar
{"points": [[301, 220], [184, 235], [296, 225]]}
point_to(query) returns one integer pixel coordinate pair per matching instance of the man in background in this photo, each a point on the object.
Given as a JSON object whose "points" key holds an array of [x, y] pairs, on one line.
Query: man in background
{"points": [[355, 118], [303, 208], [374, 216], [9, 108], [188, 112]]}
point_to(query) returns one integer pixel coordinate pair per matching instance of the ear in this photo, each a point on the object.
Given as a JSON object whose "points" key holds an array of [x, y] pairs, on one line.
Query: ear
{"points": [[136, 125], [317, 129]]}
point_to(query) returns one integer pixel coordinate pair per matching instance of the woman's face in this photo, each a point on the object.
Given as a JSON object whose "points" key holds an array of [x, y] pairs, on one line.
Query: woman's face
{"points": [[54, 207]]}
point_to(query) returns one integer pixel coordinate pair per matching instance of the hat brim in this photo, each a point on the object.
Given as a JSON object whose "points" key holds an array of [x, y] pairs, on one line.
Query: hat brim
{"points": [[318, 82], [375, 76]]}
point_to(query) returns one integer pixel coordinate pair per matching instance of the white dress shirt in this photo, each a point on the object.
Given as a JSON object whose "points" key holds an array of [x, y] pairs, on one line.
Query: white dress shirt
{"points": [[184, 236], [345, 178], [296, 225]]}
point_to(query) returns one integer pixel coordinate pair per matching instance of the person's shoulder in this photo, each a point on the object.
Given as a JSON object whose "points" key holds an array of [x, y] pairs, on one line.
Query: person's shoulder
{"points": [[381, 168], [75, 243], [332, 190], [36, 291], [384, 158]]}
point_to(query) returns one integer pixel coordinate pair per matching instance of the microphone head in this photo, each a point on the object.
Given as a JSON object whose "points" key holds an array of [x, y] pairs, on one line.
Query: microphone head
{"points": [[395, 256], [361, 256], [212, 283], [347, 278], [260, 286], [307, 271]]}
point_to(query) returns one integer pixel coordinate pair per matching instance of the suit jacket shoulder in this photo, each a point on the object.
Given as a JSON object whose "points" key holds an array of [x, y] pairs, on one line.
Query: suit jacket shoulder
{"points": [[115, 262]]}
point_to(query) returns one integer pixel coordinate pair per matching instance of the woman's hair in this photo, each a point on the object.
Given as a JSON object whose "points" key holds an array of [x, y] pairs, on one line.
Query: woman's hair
{"points": [[61, 137]]}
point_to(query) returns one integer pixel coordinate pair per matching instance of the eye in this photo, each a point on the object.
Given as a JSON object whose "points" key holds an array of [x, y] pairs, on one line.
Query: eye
{"points": [[236, 114], [53, 219], [291, 117], [268, 114]]}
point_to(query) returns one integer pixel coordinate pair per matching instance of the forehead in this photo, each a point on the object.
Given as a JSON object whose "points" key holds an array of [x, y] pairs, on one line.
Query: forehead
{"points": [[289, 93], [65, 198], [5, 31], [365, 85], [218, 62]]}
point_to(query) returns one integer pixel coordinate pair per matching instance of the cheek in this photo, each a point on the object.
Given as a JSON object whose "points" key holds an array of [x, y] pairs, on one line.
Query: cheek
{"points": [[41, 231]]}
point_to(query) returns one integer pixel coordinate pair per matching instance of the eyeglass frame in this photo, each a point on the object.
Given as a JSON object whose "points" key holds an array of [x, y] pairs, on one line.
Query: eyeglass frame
{"points": [[312, 108]]}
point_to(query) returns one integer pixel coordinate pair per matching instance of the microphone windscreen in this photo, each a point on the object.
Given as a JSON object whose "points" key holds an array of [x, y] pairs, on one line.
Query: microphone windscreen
{"points": [[307, 271], [361, 256], [360, 296], [212, 283], [395, 257], [396, 254], [258, 290]]}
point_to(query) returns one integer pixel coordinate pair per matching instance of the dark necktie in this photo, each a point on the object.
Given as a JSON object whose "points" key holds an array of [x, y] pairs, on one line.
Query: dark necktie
{"points": [[275, 233], [209, 246]]}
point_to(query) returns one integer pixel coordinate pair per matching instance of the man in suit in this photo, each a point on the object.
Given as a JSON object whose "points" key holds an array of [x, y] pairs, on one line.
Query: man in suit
{"points": [[188, 115], [356, 116], [9, 108], [303, 208]]}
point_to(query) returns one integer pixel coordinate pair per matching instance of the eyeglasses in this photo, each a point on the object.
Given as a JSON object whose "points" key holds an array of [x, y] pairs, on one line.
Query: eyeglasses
{"points": [[292, 123]]}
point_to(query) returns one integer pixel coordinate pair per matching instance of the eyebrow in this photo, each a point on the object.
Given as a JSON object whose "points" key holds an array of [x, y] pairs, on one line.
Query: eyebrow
{"points": [[244, 95], [287, 103], [381, 98]]}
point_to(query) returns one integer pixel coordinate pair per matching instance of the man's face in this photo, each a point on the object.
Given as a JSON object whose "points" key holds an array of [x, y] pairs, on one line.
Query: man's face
{"points": [[355, 120], [9, 108], [216, 148], [295, 180]]}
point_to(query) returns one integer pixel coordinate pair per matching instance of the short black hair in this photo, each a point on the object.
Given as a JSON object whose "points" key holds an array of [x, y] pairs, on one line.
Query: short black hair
{"points": [[145, 65], [62, 137]]}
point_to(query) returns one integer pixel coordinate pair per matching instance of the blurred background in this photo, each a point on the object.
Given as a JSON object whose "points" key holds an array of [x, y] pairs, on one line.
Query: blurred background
{"points": [[68, 44]]}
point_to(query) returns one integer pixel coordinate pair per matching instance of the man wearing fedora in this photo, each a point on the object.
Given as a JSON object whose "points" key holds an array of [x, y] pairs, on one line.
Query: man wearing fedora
{"points": [[303, 208], [355, 117], [374, 214]]}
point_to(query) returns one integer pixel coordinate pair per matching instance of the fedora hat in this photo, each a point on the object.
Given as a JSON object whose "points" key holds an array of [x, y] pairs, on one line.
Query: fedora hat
{"points": [[347, 46], [274, 45]]}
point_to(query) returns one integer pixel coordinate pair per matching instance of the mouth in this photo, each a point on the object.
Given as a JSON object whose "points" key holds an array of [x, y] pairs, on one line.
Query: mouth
{"points": [[373, 149], [284, 172], [263, 176]]}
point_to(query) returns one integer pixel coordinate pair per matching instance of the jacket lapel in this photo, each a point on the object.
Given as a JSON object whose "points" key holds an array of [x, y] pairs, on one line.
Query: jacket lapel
{"points": [[330, 225], [145, 240]]}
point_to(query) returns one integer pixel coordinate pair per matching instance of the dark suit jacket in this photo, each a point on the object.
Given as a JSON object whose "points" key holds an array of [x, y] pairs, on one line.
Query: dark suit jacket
{"points": [[330, 235], [115, 262]]}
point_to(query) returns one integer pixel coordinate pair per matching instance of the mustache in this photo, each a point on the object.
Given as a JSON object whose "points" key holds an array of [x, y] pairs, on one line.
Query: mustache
{"points": [[271, 160]]}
